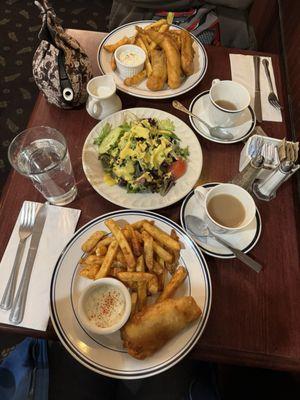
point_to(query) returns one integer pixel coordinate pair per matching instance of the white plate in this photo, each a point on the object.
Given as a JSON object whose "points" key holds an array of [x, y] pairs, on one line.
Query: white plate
{"points": [[105, 354], [103, 59], [244, 240], [142, 201], [240, 132]]}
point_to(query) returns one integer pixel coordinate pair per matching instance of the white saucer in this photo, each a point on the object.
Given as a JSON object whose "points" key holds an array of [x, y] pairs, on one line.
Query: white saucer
{"points": [[244, 240], [199, 107]]}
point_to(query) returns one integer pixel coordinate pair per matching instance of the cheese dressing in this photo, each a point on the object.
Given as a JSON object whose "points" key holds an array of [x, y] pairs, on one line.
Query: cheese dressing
{"points": [[130, 58], [105, 306]]}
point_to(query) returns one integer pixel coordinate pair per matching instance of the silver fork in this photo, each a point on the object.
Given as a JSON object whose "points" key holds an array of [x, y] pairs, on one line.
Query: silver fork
{"points": [[25, 230], [273, 100]]}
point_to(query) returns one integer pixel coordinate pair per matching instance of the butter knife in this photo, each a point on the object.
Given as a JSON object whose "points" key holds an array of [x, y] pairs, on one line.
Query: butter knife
{"points": [[17, 312], [257, 99]]}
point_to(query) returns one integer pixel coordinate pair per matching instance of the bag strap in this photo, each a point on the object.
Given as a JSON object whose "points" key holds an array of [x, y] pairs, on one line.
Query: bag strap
{"points": [[48, 33]]}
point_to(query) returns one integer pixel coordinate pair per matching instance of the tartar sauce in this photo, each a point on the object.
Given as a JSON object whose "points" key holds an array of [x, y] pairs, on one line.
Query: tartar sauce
{"points": [[130, 58], [105, 306]]}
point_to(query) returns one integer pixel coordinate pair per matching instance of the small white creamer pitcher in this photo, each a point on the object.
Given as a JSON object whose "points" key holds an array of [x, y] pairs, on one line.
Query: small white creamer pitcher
{"points": [[102, 100]]}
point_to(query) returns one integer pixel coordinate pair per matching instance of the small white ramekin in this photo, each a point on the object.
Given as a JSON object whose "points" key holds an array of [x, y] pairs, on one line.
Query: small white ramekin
{"points": [[82, 314], [127, 71]]}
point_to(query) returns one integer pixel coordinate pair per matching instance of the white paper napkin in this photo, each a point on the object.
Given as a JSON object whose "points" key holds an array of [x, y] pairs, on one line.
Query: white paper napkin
{"points": [[242, 71], [59, 227]]}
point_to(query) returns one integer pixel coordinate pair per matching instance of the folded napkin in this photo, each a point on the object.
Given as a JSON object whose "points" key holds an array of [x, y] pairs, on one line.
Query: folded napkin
{"points": [[242, 71], [59, 227]]}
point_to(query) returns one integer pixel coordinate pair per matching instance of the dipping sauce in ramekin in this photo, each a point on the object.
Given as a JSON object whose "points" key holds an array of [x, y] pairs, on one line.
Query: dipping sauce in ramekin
{"points": [[104, 306], [130, 60]]}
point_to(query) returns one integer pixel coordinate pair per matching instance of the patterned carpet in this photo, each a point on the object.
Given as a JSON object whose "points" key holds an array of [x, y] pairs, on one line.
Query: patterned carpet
{"points": [[19, 27]]}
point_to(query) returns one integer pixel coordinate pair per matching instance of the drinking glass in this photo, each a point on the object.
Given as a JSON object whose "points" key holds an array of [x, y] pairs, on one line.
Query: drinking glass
{"points": [[41, 154]]}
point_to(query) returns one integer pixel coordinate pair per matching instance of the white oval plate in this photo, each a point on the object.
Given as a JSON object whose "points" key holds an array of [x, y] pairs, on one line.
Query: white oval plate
{"points": [[240, 132], [105, 354], [141, 90], [243, 240], [142, 201]]}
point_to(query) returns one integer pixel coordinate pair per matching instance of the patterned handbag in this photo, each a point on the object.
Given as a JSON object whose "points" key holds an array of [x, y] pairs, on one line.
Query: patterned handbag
{"points": [[61, 68]]}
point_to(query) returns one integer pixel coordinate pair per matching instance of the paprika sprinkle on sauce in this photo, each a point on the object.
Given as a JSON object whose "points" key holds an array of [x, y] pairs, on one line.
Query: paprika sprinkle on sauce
{"points": [[105, 306]]}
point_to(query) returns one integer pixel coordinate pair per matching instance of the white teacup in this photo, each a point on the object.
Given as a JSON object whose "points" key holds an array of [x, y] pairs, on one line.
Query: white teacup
{"points": [[204, 195], [102, 100], [227, 100]]}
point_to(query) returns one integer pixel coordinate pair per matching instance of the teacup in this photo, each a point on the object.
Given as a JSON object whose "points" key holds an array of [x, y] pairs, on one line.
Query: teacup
{"points": [[228, 208], [227, 100], [102, 100]]}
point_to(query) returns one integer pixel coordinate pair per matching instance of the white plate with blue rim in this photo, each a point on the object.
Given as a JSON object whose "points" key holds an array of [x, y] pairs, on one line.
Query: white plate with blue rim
{"points": [[243, 240], [105, 354], [242, 129], [141, 90]]}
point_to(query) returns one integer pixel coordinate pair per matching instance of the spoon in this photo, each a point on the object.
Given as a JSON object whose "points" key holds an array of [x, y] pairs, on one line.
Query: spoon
{"points": [[198, 228], [215, 131]]}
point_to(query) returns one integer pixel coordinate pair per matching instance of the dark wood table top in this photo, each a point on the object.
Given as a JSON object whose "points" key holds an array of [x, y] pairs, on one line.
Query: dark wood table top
{"points": [[254, 318]]}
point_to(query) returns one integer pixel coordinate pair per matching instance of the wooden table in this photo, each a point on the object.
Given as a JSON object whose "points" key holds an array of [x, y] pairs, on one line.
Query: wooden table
{"points": [[254, 318]]}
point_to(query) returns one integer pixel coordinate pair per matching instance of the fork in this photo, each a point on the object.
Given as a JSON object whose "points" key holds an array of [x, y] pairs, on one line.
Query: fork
{"points": [[273, 100], [25, 230]]}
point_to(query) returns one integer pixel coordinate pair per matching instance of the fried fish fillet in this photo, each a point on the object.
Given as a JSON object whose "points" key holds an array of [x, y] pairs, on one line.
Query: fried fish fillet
{"points": [[158, 77], [172, 55], [150, 329], [187, 53]]}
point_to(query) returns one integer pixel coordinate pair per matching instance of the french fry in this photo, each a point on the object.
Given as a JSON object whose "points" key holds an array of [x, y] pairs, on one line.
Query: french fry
{"points": [[101, 250], [141, 286], [136, 79], [111, 48], [148, 249], [156, 24], [92, 259], [90, 271], [91, 242], [157, 268], [163, 28], [105, 242], [170, 18], [120, 257], [171, 267], [161, 280], [139, 224], [135, 242], [128, 277], [153, 285], [113, 63], [140, 264], [108, 259], [173, 284], [141, 43], [161, 252], [126, 233], [133, 303], [176, 253], [161, 236], [123, 243], [132, 39]]}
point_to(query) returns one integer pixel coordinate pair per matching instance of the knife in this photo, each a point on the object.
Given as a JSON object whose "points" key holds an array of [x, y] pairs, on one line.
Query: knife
{"points": [[17, 312], [257, 99]]}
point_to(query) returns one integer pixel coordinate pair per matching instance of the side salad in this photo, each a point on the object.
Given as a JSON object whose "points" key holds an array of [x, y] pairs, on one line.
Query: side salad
{"points": [[142, 155]]}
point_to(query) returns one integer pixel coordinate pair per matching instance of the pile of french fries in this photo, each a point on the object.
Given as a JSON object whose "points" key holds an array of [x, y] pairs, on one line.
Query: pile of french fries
{"points": [[140, 255], [142, 39]]}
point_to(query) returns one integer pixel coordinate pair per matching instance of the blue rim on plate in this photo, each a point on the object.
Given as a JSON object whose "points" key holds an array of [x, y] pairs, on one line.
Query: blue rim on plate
{"points": [[249, 131], [246, 249], [128, 91], [138, 373]]}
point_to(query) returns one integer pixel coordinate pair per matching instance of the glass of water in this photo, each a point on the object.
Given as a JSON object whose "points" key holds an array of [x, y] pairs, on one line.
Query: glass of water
{"points": [[41, 154]]}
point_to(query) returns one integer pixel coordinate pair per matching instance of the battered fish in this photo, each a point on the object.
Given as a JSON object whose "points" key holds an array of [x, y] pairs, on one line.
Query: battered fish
{"points": [[187, 53], [150, 329], [172, 55], [158, 77]]}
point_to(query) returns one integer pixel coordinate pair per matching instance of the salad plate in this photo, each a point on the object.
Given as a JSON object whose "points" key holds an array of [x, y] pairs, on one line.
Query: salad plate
{"points": [[105, 354], [98, 177], [141, 90]]}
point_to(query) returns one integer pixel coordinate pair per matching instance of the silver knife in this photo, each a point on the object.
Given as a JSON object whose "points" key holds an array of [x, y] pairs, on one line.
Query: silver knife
{"points": [[257, 99], [17, 312]]}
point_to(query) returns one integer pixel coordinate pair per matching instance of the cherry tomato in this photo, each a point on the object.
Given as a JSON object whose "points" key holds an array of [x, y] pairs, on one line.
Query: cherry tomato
{"points": [[178, 168]]}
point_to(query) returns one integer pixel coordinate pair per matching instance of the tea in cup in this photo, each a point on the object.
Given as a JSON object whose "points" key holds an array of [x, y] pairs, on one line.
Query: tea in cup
{"points": [[102, 100], [228, 208], [227, 100]]}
